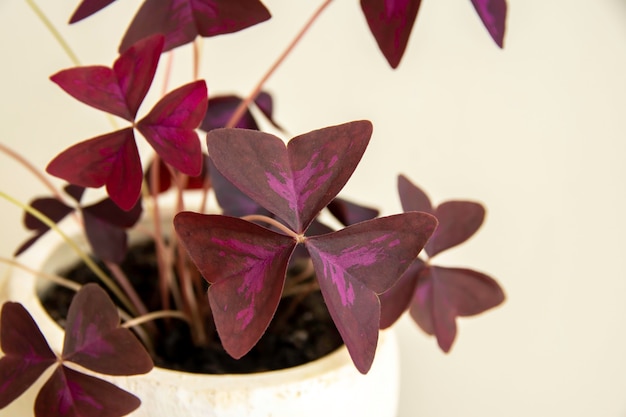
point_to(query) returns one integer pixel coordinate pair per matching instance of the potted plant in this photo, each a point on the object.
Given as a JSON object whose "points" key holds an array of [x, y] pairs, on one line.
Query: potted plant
{"points": [[235, 279]]}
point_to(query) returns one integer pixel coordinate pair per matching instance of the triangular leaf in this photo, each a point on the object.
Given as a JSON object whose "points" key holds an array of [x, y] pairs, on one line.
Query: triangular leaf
{"points": [[170, 127], [95, 340], [246, 265], [293, 182], [493, 15], [396, 300], [88, 7], [182, 20], [458, 221], [72, 394], [52, 208], [120, 90], [221, 109], [412, 197], [355, 264], [349, 213], [108, 242], [26, 352], [443, 294], [111, 160], [391, 21]]}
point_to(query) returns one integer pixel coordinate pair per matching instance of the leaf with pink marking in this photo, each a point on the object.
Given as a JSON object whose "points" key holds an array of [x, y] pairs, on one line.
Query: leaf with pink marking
{"points": [[296, 181], [69, 393], [181, 21], [119, 90], [94, 338], [246, 266], [391, 22], [111, 160], [26, 352], [88, 7], [170, 127], [356, 264], [443, 294], [493, 15]]}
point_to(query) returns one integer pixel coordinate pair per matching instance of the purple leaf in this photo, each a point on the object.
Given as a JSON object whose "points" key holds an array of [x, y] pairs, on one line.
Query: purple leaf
{"points": [[182, 20], [95, 340], [391, 21], [349, 213], [165, 177], [493, 15], [458, 221], [27, 354], [293, 182], [74, 191], [88, 7], [54, 209], [395, 301], [105, 227], [170, 127], [246, 265], [443, 294], [111, 160], [359, 262], [232, 201], [412, 197], [221, 109], [265, 103], [120, 90], [72, 394]]}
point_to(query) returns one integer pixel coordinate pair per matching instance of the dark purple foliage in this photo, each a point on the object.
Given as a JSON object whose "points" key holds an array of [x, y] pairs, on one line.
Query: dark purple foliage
{"points": [[435, 295], [88, 7], [222, 108], [93, 340], [112, 160], [391, 22], [182, 20], [246, 263]]}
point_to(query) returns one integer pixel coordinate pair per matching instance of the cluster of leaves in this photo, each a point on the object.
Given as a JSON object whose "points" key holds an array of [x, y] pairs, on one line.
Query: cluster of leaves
{"points": [[93, 340], [368, 272], [390, 21]]}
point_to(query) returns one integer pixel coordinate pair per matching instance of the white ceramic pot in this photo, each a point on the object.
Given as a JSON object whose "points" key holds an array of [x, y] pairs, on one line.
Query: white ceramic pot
{"points": [[330, 386]]}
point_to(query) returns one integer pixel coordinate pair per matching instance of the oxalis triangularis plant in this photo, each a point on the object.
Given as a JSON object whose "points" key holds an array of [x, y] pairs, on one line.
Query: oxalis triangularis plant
{"points": [[270, 195]]}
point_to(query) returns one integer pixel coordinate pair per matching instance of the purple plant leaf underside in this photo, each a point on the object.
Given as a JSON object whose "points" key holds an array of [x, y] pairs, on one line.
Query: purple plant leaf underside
{"points": [[356, 264], [293, 182], [182, 20], [442, 294], [493, 15], [246, 265]]}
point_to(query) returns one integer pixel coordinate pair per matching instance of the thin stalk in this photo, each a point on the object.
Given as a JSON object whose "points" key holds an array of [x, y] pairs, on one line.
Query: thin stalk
{"points": [[32, 169], [55, 279], [255, 92], [106, 280], [123, 281], [245, 103], [62, 42], [273, 222], [54, 32], [138, 321]]}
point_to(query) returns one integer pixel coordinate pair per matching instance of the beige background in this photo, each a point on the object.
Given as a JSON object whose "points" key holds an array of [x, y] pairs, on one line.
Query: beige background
{"points": [[536, 132]]}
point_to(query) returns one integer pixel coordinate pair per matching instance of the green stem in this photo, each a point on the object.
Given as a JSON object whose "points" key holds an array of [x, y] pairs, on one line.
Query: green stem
{"points": [[83, 256], [54, 31]]}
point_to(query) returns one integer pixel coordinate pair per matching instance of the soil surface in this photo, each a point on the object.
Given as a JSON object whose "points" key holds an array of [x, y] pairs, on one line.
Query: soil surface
{"points": [[307, 334]]}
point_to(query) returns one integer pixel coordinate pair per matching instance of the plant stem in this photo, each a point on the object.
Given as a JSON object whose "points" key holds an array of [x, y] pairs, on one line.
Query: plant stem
{"points": [[106, 280], [273, 222], [54, 31], [55, 279], [137, 321], [245, 103], [30, 167], [255, 92]]}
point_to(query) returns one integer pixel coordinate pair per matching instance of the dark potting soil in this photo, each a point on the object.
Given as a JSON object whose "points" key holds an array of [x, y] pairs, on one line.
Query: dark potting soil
{"points": [[308, 334]]}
